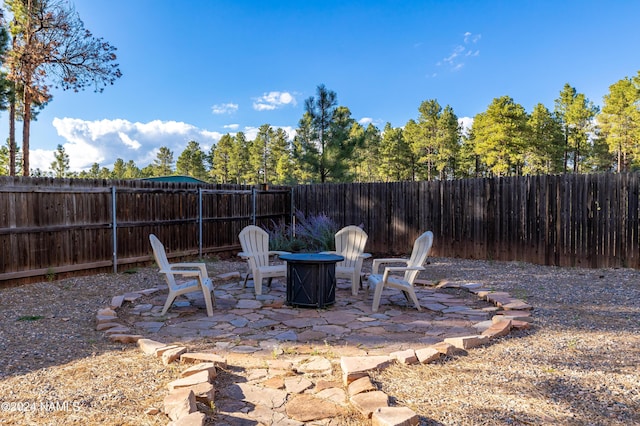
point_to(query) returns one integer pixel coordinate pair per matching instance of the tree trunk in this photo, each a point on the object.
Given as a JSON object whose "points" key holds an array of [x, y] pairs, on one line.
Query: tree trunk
{"points": [[12, 137], [26, 123]]}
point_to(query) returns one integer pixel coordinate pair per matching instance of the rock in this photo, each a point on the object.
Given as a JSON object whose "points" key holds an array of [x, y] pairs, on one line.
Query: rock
{"points": [[368, 402], [317, 365], [427, 355], [107, 325], [125, 338], [498, 329], [209, 367], [194, 379], [467, 342], [149, 347], [355, 367], [394, 416], [297, 384], [444, 348], [193, 419], [517, 305], [204, 392], [116, 302], [120, 329], [173, 354], [274, 382], [363, 384], [107, 312], [337, 395], [235, 275], [191, 357], [102, 319], [407, 356], [179, 403], [307, 408]]}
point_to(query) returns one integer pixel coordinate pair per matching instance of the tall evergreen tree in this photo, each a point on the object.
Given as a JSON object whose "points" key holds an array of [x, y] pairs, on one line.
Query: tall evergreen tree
{"points": [[447, 143], [51, 43], [259, 152], [119, 169], [576, 113], [305, 153], [280, 158], [620, 121], [323, 133], [163, 163], [60, 165], [191, 162], [220, 163], [499, 136], [396, 160], [545, 147]]}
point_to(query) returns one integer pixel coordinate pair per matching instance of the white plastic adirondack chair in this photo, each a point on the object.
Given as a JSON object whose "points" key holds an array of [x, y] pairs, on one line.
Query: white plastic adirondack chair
{"points": [[421, 249], [198, 270], [255, 250], [350, 242]]}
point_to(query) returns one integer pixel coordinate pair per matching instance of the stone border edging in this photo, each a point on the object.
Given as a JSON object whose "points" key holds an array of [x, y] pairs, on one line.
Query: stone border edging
{"points": [[195, 384]]}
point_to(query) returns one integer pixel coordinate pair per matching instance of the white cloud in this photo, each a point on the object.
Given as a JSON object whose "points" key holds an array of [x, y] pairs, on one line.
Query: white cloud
{"points": [[231, 126], [455, 59], [104, 141], [252, 132], [465, 123], [224, 108], [273, 100], [365, 121]]}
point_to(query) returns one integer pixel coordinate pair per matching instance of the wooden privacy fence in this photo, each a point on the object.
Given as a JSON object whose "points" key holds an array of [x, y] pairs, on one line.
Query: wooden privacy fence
{"points": [[54, 226], [562, 220]]}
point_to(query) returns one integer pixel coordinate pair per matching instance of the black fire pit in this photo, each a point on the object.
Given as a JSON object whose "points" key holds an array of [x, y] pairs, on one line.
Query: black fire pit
{"points": [[311, 279]]}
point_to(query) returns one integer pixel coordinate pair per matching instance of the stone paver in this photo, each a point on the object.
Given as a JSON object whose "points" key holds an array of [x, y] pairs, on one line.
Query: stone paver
{"points": [[302, 390]]}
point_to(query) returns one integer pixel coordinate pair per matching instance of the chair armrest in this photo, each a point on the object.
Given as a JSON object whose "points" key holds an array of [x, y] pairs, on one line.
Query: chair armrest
{"points": [[244, 255], [328, 252], [389, 269], [200, 268], [378, 262], [365, 255], [277, 252]]}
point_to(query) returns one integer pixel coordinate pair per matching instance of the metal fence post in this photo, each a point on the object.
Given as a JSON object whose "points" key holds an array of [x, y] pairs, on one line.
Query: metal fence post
{"points": [[200, 222], [114, 227], [253, 205]]}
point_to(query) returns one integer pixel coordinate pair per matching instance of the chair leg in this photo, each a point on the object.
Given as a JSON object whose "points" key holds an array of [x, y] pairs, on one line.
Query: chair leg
{"points": [[257, 283], [170, 298], [209, 296], [411, 292], [377, 294]]}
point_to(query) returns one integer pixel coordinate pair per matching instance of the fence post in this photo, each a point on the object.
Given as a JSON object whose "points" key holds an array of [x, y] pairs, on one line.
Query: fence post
{"points": [[114, 226], [292, 218], [200, 222], [253, 205]]}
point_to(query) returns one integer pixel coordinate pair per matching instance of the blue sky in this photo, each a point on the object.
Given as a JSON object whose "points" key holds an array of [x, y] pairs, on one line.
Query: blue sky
{"points": [[195, 70]]}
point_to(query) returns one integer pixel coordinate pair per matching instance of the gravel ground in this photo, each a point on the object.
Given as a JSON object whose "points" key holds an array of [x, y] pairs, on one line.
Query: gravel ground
{"points": [[577, 366]]}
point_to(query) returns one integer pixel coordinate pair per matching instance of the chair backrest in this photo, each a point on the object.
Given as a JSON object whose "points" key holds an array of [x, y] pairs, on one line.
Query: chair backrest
{"points": [[161, 259], [421, 248], [350, 242], [255, 240]]}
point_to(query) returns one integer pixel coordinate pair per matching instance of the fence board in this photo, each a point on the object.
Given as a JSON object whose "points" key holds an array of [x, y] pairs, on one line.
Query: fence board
{"points": [[562, 220]]}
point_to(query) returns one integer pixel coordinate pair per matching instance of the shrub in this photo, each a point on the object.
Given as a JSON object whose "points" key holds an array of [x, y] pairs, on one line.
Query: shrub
{"points": [[313, 233]]}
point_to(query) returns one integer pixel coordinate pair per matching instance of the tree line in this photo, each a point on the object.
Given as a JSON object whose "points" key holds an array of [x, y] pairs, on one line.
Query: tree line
{"points": [[44, 42]]}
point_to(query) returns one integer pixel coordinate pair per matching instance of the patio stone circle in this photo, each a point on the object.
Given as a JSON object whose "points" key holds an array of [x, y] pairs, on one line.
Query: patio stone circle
{"points": [[289, 382]]}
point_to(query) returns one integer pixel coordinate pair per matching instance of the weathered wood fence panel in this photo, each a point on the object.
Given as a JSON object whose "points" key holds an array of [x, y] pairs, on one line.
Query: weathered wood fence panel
{"points": [[50, 227], [53, 227], [562, 220]]}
